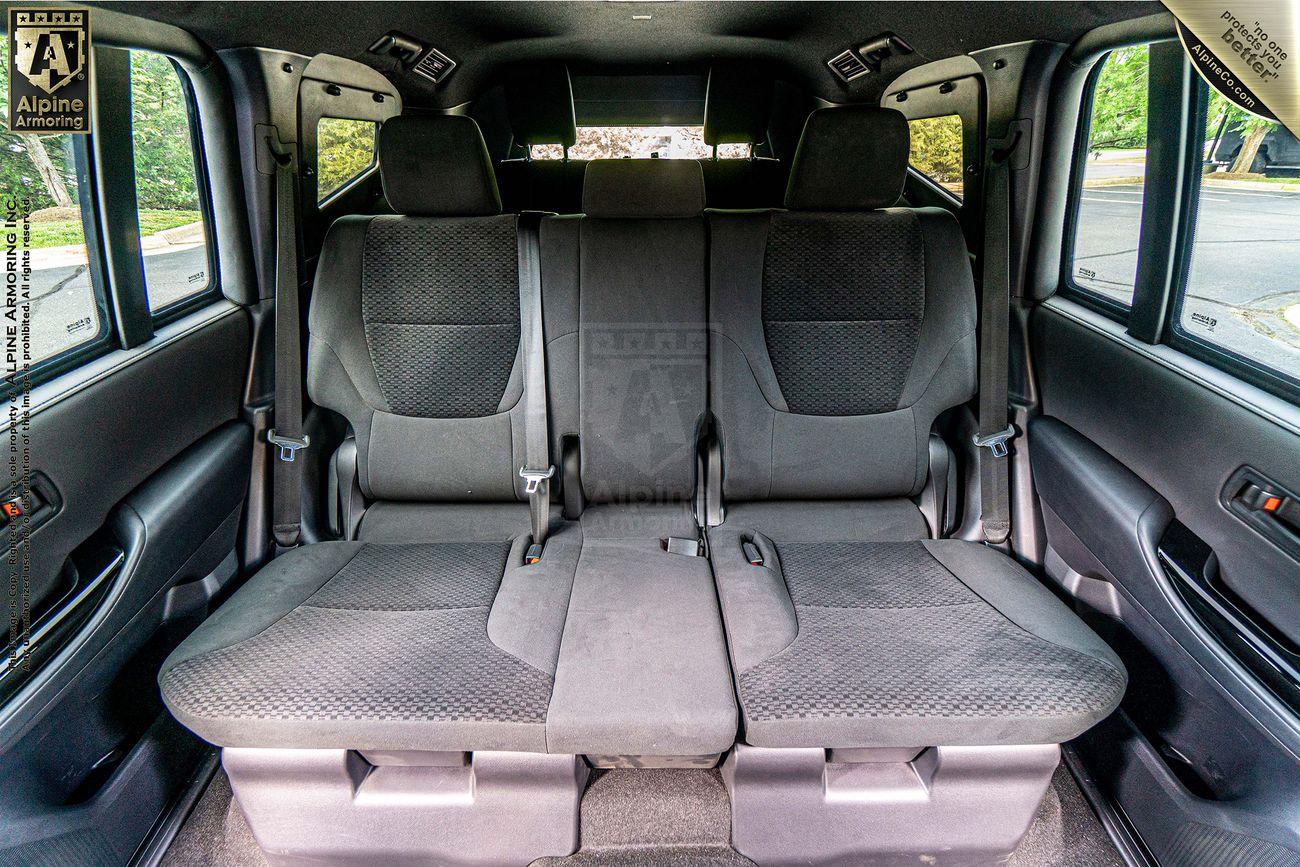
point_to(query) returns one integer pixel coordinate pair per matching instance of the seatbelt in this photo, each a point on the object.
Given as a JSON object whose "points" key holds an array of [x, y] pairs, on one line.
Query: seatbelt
{"points": [[287, 435], [994, 431], [537, 469]]}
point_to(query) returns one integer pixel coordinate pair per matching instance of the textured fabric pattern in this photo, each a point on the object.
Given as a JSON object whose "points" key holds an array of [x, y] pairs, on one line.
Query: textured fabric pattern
{"points": [[414, 577], [342, 656], [867, 575], [879, 653], [843, 299], [440, 302]]}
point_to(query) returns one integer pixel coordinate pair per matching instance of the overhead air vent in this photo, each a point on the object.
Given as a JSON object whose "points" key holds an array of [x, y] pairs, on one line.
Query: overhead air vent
{"points": [[848, 66], [435, 66], [432, 63]]}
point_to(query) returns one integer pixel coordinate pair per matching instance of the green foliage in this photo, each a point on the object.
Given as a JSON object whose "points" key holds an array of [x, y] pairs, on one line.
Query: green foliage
{"points": [[164, 154], [18, 175], [937, 149], [344, 149], [1119, 104], [63, 232], [164, 162]]}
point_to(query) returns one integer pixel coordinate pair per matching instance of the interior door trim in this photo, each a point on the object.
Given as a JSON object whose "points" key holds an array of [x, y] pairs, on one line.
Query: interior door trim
{"points": [[77, 380], [1269, 407]]}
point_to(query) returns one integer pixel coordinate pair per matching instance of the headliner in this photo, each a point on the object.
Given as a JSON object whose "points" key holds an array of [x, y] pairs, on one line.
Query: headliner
{"points": [[793, 37]]}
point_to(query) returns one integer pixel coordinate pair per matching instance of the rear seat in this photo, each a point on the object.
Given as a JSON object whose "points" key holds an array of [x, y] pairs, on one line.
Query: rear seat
{"points": [[841, 328], [420, 693], [347, 680]]}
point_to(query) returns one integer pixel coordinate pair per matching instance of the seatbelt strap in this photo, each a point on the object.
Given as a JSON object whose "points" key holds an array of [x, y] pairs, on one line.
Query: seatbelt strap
{"points": [[537, 469], [994, 431], [287, 435]]}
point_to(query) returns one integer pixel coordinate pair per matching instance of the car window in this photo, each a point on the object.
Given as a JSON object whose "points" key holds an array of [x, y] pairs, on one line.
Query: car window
{"points": [[1241, 293], [1107, 222], [41, 205], [639, 142], [936, 150], [345, 150], [173, 227]]}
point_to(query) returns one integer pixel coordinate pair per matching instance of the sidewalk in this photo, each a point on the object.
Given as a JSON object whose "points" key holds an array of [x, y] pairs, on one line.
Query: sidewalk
{"points": [[167, 241]]}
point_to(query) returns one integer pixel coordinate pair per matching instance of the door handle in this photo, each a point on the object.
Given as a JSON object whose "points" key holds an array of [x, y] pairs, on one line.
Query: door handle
{"points": [[1271, 509]]}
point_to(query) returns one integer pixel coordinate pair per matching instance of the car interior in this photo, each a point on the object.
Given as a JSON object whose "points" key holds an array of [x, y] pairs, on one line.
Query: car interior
{"points": [[669, 433]]}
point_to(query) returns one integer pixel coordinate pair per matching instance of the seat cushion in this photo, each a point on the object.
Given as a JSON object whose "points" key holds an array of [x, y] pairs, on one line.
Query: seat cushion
{"points": [[367, 646], [872, 642]]}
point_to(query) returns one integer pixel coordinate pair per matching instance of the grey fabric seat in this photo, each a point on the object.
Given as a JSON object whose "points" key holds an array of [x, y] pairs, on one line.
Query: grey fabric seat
{"points": [[427, 632], [643, 667], [840, 329]]}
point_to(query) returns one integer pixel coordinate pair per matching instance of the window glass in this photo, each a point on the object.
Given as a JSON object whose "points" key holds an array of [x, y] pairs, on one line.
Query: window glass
{"points": [[1110, 202], [937, 150], [345, 150], [173, 230], [1242, 292], [40, 211], [640, 142]]}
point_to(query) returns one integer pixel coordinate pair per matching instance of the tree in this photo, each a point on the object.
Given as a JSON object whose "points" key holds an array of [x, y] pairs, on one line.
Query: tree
{"points": [[936, 149], [31, 170], [49, 172], [1253, 131], [1119, 103]]}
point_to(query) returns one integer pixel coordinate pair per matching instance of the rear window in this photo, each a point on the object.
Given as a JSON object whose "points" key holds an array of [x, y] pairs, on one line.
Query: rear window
{"points": [[639, 142], [936, 150]]}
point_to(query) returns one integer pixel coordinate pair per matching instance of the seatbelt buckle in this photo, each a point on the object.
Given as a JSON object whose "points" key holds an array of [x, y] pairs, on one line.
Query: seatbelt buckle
{"points": [[533, 478], [288, 446], [533, 554], [996, 443]]}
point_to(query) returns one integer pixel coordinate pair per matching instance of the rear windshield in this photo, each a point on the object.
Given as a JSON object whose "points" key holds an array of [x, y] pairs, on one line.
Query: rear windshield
{"points": [[639, 142]]}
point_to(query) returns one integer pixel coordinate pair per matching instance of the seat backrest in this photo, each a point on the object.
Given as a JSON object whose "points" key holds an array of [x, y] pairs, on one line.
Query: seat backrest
{"points": [[415, 323], [539, 102], [737, 108], [841, 326], [643, 375]]}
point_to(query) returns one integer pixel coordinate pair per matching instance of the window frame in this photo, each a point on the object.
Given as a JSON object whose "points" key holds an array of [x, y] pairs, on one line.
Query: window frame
{"points": [[360, 177], [1155, 315], [210, 293], [1175, 335], [1108, 307]]}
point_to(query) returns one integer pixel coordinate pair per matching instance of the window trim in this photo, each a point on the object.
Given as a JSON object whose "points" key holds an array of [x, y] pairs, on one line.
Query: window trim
{"points": [[182, 306], [356, 179], [1263, 376], [1108, 307]]}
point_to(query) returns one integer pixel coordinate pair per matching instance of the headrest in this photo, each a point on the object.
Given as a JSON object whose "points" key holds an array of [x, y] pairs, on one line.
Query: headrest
{"points": [[643, 188], [737, 104], [539, 99], [437, 166], [849, 159]]}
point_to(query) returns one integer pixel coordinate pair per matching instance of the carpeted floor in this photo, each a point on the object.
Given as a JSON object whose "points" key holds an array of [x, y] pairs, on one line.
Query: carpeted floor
{"points": [[660, 818]]}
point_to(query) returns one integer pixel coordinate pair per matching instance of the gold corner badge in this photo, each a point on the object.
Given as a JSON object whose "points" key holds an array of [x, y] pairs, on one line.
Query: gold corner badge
{"points": [[49, 70]]}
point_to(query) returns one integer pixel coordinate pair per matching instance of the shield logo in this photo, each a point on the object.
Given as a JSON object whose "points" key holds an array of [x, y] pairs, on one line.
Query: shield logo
{"points": [[50, 55]]}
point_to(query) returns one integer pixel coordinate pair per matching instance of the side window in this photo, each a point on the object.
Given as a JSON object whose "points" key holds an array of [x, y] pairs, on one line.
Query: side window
{"points": [[1103, 257], [41, 205], [345, 150], [173, 226], [936, 150], [1240, 294]]}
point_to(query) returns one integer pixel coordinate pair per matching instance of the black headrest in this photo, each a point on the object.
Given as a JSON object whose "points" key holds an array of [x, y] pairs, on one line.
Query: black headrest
{"points": [[539, 99], [643, 188], [737, 104], [849, 159], [437, 166]]}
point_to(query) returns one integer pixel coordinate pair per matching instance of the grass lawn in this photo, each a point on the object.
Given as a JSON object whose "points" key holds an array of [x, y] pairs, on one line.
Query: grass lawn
{"points": [[58, 233]]}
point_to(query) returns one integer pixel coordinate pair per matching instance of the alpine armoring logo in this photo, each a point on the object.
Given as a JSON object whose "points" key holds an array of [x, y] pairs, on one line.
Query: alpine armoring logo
{"points": [[49, 70], [1218, 75]]}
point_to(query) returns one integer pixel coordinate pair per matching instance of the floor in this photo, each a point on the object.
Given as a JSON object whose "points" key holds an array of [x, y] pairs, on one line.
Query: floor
{"points": [[660, 818]]}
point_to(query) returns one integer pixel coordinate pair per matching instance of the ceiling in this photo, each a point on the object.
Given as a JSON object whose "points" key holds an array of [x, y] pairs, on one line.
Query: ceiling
{"points": [[796, 38]]}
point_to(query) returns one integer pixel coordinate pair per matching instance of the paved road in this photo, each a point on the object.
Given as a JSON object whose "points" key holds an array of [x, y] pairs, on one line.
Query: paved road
{"points": [[1245, 272], [63, 307]]}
